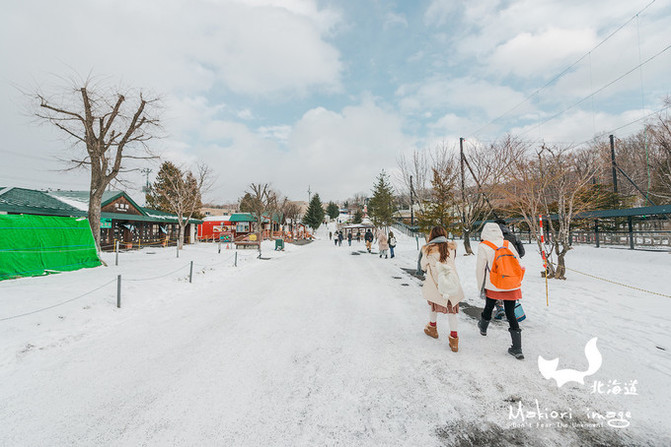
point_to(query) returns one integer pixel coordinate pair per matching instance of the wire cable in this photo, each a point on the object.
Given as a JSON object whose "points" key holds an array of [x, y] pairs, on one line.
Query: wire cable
{"points": [[563, 72], [59, 304], [597, 91]]}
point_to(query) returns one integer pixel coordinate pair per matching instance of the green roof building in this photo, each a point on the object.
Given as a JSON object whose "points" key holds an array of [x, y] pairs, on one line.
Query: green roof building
{"points": [[122, 219]]}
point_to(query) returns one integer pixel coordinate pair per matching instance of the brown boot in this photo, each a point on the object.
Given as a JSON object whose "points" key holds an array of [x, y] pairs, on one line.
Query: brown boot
{"points": [[454, 343], [431, 331]]}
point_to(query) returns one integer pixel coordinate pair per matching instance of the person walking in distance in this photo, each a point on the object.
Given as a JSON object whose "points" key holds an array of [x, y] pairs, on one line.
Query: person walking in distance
{"points": [[392, 243], [382, 243], [441, 288], [349, 238], [499, 277], [368, 237]]}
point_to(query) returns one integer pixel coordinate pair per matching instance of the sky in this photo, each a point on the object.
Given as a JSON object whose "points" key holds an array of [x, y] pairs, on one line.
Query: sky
{"points": [[326, 94]]}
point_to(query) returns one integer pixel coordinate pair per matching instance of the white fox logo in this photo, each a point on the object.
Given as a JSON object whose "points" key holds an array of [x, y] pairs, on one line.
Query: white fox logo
{"points": [[549, 370]]}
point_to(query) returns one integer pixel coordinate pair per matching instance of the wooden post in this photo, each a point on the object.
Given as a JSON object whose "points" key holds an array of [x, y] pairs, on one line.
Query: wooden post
{"points": [[631, 232], [545, 261], [116, 260]]}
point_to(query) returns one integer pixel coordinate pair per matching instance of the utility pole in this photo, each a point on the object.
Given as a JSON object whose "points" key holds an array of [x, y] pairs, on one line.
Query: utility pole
{"points": [[613, 165], [412, 214], [309, 193], [461, 160], [146, 172]]}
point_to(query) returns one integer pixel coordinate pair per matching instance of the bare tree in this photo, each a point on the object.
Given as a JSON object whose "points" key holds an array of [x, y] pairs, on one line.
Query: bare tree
{"points": [[259, 199], [179, 191], [486, 166], [553, 182], [564, 196], [523, 190], [291, 212], [108, 125], [418, 167], [660, 132]]}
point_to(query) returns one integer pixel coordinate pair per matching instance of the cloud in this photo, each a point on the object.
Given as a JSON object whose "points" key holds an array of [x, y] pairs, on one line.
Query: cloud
{"points": [[440, 11], [452, 125], [529, 54], [578, 126], [468, 95], [340, 153], [245, 114], [392, 19], [337, 153], [277, 133], [255, 49]]}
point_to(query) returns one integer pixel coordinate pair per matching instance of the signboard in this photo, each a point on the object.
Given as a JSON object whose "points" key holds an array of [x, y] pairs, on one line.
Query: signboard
{"points": [[105, 223], [226, 237]]}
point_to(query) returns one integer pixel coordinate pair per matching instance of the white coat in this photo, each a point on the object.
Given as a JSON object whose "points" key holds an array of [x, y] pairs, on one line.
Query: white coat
{"points": [[491, 232], [430, 287]]}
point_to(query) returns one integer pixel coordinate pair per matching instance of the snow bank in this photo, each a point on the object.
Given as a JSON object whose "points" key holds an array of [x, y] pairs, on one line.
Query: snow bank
{"points": [[323, 345]]}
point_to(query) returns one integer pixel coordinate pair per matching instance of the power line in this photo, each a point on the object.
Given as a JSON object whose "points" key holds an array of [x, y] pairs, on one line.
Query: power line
{"points": [[627, 124], [19, 154], [563, 72], [597, 91], [608, 132]]}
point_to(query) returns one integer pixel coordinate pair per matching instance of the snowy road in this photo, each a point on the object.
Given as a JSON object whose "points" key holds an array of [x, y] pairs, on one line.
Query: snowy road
{"points": [[321, 345]]}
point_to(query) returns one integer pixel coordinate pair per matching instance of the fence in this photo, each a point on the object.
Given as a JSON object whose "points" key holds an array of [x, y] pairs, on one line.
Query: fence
{"points": [[648, 239], [407, 229], [231, 260]]}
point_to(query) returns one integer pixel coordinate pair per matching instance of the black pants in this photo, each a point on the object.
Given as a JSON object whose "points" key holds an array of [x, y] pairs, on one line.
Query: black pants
{"points": [[508, 305]]}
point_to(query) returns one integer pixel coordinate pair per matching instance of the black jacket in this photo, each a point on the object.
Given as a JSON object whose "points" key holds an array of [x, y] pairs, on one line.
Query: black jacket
{"points": [[369, 236], [510, 237]]}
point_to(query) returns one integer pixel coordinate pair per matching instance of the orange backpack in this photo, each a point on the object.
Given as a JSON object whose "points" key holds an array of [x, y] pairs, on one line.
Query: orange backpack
{"points": [[506, 272]]}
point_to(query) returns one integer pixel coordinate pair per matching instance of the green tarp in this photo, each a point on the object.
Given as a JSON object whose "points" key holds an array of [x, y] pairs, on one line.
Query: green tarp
{"points": [[37, 245]]}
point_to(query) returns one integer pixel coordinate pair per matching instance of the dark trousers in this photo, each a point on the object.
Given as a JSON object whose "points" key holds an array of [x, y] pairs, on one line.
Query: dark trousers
{"points": [[509, 307]]}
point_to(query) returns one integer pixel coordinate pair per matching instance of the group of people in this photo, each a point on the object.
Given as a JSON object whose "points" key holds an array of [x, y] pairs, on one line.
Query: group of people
{"points": [[498, 275], [338, 237], [386, 243]]}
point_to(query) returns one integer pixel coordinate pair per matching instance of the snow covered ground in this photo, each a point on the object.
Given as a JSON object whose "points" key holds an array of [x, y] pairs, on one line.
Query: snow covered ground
{"points": [[324, 345]]}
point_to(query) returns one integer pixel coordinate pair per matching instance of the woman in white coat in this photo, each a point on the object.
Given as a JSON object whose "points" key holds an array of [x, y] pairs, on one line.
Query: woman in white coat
{"points": [[382, 243], [440, 251], [491, 237]]}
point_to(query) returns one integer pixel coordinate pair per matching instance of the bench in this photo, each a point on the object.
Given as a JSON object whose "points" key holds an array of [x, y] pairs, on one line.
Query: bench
{"points": [[245, 244]]}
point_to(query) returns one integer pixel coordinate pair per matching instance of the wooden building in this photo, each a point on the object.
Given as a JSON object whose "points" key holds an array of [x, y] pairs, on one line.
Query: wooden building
{"points": [[121, 218]]}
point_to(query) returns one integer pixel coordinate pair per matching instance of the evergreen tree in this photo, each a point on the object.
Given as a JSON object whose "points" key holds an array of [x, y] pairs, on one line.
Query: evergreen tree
{"points": [[381, 205], [314, 216], [441, 209], [161, 193], [358, 217], [332, 210], [178, 192]]}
